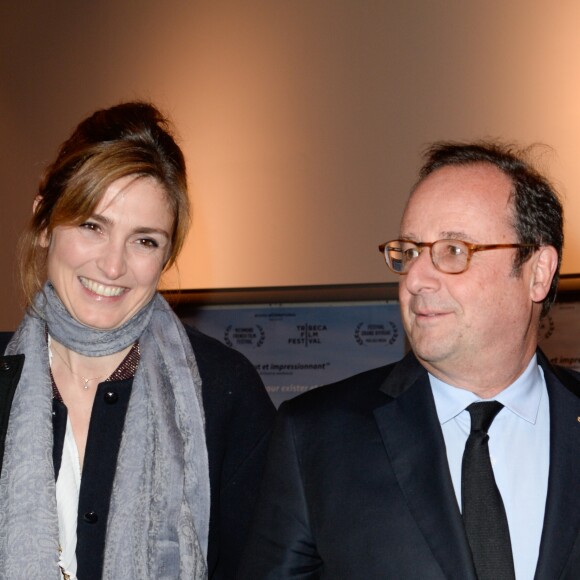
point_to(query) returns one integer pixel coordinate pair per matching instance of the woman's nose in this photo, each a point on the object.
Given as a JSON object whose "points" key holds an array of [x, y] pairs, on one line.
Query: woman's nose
{"points": [[112, 261]]}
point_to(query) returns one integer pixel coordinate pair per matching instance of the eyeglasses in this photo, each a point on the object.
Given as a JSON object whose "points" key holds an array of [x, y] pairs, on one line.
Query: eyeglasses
{"points": [[448, 256]]}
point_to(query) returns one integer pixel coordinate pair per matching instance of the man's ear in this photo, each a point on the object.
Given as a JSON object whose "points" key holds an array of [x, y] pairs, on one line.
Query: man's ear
{"points": [[544, 267], [44, 238]]}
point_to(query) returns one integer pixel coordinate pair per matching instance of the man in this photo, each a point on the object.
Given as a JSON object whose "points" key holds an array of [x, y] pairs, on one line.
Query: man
{"points": [[378, 476]]}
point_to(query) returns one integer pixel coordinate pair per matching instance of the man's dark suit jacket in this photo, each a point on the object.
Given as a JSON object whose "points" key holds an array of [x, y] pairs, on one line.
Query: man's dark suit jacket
{"points": [[357, 485]]}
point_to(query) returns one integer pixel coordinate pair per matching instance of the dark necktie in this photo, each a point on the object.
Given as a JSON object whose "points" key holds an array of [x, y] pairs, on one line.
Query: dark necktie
{"points": [[483, 511]]}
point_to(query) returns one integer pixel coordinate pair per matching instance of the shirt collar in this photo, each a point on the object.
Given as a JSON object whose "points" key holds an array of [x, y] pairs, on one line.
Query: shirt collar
{"points": [[522, 397]]}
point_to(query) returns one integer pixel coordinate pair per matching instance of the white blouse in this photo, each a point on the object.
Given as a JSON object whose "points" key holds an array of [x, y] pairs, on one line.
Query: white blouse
{"points": [[68, 487]]}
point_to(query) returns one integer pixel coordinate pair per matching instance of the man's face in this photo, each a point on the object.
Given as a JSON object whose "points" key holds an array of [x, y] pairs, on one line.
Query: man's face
{"points": [[462, 325]]}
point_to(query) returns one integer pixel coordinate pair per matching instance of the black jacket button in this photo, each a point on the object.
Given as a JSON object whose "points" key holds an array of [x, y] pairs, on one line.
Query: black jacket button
{"points": [[111, 397], [91, 517], [4, 365]]}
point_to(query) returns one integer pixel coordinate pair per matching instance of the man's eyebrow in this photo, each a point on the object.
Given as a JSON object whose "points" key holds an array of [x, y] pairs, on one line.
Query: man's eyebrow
{"points": [[445, 235], [462, 236]]}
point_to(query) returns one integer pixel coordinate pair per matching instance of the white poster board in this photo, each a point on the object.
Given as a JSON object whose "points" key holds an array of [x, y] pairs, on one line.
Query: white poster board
{"points": [[298, 347], [560, 335]]}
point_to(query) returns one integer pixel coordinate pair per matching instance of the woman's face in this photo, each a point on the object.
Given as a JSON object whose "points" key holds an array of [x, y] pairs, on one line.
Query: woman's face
{"points": [[106, 269]]}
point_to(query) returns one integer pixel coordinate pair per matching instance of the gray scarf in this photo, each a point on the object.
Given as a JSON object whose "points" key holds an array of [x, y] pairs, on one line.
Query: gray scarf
{"points": [[159, 514]]}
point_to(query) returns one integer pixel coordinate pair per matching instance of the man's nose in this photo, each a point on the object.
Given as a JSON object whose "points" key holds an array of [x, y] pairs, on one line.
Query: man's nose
{"points": [[422, 275]]}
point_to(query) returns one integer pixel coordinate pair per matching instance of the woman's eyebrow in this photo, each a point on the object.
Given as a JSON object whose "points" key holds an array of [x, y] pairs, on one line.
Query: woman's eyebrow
{"points": [[138, 230], [149, 230]]}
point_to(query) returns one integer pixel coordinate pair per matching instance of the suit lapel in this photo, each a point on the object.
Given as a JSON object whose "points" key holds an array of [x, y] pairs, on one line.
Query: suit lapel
{"points": [[562, 517], [414, 442]]}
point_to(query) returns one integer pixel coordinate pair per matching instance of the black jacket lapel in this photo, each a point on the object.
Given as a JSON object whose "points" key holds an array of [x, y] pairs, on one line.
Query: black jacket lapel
{"points": [[559, 550], [414, 443]]}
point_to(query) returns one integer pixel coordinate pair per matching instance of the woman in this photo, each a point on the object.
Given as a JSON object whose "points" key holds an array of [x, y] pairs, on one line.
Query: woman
{"points": [[119, 423]]}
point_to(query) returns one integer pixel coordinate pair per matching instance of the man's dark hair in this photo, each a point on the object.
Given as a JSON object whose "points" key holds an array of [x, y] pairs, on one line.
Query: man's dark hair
{"points": [[537, 211]]}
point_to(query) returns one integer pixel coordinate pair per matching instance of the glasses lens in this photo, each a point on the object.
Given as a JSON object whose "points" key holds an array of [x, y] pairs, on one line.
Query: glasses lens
{"points": [[451, 256], [399, 255]]}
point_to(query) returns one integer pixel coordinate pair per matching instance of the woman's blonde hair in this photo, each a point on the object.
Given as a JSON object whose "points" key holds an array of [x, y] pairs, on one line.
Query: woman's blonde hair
{"points": [[127, 139]]}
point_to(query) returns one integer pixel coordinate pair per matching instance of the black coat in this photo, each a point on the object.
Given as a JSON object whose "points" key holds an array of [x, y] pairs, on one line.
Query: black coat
{"points": [[357, 485], [239, 417]]}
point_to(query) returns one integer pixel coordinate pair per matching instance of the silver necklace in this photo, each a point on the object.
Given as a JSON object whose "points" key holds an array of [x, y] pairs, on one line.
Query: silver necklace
{"points": [[85, 380]]}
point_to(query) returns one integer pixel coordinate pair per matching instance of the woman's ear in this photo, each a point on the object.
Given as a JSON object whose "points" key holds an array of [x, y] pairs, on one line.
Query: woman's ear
{"points": [[35, 203], [543, 270], [44, 238]]}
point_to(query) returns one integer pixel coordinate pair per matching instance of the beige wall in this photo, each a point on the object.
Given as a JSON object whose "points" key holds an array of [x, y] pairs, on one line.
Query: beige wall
{"points": [[302, 120]]}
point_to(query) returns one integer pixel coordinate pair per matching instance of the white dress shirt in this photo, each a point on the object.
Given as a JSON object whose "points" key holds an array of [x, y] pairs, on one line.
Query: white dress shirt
{"points": [[519, 445]]}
